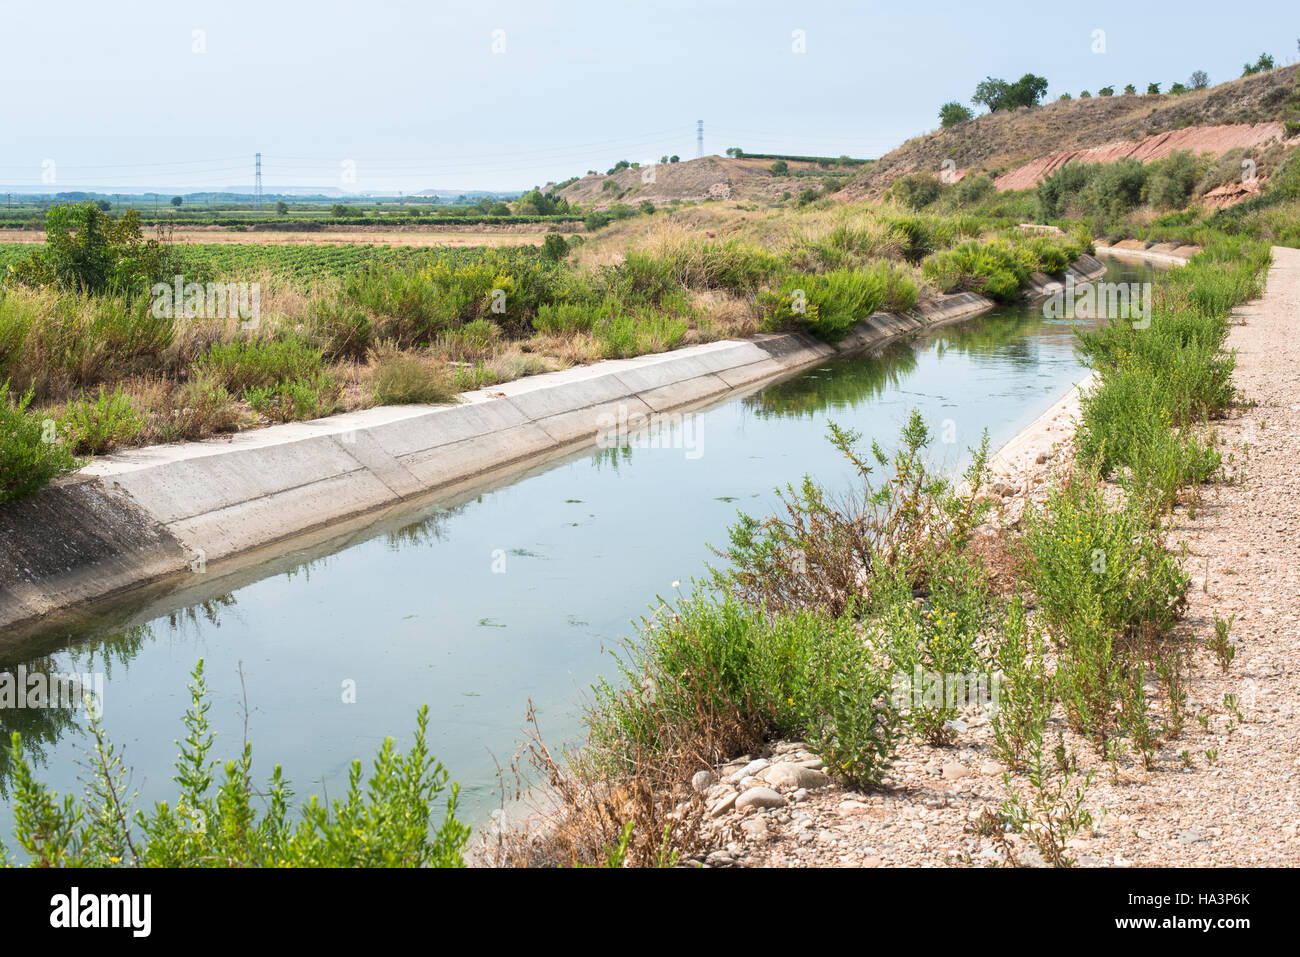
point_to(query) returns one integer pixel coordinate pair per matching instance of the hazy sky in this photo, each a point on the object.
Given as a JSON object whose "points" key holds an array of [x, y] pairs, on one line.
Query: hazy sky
{"points": [[413, 94]]}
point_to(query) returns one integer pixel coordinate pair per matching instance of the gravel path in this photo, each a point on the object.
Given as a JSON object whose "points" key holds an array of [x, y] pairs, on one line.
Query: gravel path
{"points": [[1236, 804]]}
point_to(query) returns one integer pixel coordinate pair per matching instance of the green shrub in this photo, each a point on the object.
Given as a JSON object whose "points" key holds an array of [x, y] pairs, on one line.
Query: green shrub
{"points": [[30, 453], [474, 340], [554, 247], [1170, 181], [311, 396], [245, 364], [830, 304], [570, 318], [721, 678], [916, 190], [340, 329], [88, 251], [385, 821], [639, 332], [95, 426], [1100, 569]]}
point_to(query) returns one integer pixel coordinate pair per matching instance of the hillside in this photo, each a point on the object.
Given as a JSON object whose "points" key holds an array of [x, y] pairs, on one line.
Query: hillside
{"points": [[1000, 143], [710, 177]]}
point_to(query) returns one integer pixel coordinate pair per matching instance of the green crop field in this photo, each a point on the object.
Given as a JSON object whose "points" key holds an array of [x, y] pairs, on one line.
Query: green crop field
{"points": [[302, 264]]}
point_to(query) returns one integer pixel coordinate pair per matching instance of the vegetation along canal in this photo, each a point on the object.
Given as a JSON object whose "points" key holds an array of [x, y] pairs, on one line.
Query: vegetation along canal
{"points": [[477, 606]]}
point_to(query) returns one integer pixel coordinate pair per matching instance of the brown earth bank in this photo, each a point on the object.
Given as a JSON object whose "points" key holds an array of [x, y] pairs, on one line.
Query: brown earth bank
{"points": [[1000, 142], [747, 179], [1223, 793], [1216, 140]]}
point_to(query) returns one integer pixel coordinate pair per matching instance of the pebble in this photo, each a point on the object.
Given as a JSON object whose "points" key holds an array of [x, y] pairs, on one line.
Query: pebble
{"points": [[759, 797], [703, 780]]}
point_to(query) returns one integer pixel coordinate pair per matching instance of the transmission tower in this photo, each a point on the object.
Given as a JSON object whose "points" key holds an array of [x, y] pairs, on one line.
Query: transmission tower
{"points": [[699, 138], [257, 183]]}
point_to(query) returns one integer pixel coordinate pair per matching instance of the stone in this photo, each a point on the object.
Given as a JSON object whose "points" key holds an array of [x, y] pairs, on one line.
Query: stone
{"points": [[794, 776], [703, 780], [725, 805], [954, 770], [750, 769], [759, 797], [755, 829]]}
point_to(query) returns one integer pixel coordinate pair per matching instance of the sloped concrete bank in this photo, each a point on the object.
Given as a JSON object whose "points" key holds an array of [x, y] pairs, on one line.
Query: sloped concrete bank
{"points": [[1157, 254], [135, 518]]}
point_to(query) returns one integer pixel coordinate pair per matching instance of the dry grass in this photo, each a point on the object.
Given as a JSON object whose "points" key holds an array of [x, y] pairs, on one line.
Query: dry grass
{"points": [[575, 814]]}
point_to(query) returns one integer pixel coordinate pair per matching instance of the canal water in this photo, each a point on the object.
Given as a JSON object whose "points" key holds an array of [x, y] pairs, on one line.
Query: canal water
{"points": [[476, 606]]}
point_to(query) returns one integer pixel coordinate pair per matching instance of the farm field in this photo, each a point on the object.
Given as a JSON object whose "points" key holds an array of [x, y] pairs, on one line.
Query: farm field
{"points": [[432, 236]]}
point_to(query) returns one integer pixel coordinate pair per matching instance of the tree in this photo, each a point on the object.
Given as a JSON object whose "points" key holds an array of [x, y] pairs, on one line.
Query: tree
{"points": [[950, 114], [735, 151], [1199, 80], [87, 250], [674, 158], [1130, 90], [1177, 89], [104, 205], [1065, 96], [176, 201], [1153, 89], [998, 94], [1085, 95], [1262, 65], [1106, 91], [780, 167], [281, 208]]}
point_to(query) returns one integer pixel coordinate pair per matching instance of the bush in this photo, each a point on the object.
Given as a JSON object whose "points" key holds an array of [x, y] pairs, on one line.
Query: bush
{"points": [[245, 364], [950, 114], [640, 332], [916, 190], [554, 247], [571, 318], [1170, 181], [829, 557], [86, 250], [830, 304], [726, 678], [972, 189], [30, 453], [340, 329], [402, 380], [213, 822], [95, 426]]}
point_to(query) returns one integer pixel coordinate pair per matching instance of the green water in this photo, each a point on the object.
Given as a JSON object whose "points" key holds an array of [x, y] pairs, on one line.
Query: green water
{"points": [[477, 606]]}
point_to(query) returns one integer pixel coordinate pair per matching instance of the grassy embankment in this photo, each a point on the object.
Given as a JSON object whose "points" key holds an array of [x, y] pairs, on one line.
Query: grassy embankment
{"points": [[819, 607], [90, 361]]}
